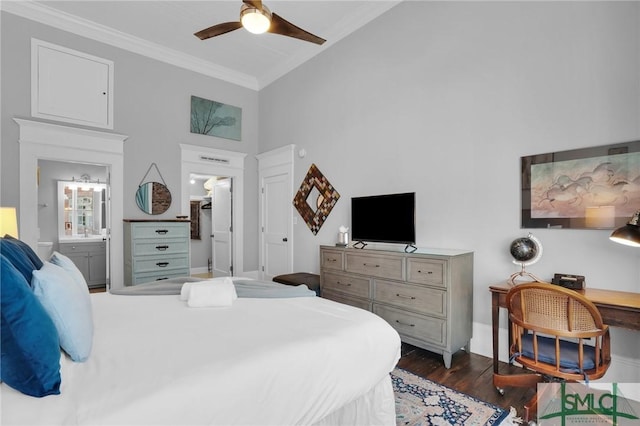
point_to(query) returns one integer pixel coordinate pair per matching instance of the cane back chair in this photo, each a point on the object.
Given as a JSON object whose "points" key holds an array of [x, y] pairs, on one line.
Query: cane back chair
{"points": [[558, 334]]}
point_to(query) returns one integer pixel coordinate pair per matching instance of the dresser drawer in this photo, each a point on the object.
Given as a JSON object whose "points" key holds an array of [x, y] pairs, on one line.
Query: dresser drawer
{"points": [[423, 271], [375, 265], [332, 260], [159, 230], [356, 286], [164, 246], [82, 247], [428, 329], [160, 276], [423, 300], [160, 263], [352, 301]]}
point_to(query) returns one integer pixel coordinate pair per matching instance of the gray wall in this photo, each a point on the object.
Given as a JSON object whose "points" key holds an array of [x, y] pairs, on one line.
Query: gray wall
{"points": [[443, 98], [152, 107]]}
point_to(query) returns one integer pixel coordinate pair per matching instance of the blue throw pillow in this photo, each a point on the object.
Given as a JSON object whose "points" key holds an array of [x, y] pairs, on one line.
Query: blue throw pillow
{"points": [[67, 264], [18, 258], [69, 306], [35, 259], [30, 350]]}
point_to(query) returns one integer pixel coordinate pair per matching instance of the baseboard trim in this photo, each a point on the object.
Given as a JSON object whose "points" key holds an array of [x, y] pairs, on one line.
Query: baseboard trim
{"points": [[200, 270]]}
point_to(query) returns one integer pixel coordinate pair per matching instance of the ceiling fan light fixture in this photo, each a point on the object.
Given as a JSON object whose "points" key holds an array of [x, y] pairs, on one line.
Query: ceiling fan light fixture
{"points": [[254, 20]]}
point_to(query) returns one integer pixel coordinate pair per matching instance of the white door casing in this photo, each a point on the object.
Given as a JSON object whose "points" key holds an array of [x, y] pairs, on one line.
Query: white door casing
{"points": [[47, 141], [275, 173], [217, 162], [221, 228]]}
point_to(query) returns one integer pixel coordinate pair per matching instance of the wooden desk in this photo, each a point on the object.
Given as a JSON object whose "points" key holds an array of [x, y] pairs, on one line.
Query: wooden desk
{"points": [[618, 309]]}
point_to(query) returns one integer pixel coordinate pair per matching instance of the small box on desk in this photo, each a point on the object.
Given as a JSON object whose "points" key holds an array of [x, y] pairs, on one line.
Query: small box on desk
{"points": [[573, 282]]}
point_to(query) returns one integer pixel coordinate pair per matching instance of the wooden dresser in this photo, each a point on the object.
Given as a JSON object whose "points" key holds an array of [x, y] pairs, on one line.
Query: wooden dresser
{"points": [[427, 296], [155, 250]]}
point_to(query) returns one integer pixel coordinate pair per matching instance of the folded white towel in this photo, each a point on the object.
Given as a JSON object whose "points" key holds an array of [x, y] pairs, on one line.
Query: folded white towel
{"points": [[210, 293]]}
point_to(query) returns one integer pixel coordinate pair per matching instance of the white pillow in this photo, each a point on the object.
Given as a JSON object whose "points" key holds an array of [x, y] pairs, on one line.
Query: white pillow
{"points": [[185, 290], [67, 264], [69, 306]]}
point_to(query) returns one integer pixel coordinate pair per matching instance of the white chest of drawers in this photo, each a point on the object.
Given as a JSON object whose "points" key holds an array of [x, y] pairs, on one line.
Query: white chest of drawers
{"points": [[427, 296], [155, 250]]}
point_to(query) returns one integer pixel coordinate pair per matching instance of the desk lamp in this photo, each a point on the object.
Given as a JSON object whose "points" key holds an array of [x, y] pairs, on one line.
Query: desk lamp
{"points": [[8, 222], [630, 233]]}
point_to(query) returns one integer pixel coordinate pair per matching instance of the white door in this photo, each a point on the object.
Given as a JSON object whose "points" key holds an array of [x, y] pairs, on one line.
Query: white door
{"points": [[276, 220], [221, 228]]}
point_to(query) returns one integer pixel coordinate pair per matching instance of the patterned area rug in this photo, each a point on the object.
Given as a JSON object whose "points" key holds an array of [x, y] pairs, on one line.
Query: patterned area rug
{"points": [[422, 402]]}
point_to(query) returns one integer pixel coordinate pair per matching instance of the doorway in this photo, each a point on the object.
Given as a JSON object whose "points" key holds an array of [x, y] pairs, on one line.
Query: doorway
{"points": [[40, 140], [275, 172], [211, 225], [72, 206], [228, 168]]}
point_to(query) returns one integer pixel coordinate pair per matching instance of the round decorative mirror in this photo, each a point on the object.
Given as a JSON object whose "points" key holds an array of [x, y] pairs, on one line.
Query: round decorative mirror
{"points": [[153, 197]]}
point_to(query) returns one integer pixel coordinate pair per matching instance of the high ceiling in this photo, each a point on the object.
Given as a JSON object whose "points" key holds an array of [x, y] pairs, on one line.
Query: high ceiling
{"points": [[164, 30]]}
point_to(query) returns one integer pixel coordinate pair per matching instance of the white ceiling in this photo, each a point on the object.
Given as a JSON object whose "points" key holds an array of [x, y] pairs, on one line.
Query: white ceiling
{"points": [[164, 29]]}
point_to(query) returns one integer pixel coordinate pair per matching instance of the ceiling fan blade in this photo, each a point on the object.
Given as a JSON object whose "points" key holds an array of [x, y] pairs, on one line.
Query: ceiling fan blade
{"points": [[217, 30], [283, 27], [254, 3]]}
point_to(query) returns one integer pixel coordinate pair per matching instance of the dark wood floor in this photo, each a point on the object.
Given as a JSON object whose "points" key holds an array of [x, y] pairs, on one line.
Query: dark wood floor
{"points": [[469, 373]]}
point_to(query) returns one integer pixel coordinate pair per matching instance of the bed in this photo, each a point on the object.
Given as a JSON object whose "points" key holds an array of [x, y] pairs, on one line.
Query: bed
{"points": [[261, 361]]}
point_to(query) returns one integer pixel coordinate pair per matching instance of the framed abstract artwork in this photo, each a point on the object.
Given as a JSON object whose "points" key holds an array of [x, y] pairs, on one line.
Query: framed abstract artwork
{"points": [[588, 188], [215, 119], [315, 199]]}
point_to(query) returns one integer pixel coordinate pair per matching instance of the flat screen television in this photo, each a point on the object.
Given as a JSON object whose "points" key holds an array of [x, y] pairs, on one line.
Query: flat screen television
{"points": [[386, 218]]}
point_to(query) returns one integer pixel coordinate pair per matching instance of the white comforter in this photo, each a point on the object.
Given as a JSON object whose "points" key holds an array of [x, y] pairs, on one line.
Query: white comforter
{"points": [[260, 362]]}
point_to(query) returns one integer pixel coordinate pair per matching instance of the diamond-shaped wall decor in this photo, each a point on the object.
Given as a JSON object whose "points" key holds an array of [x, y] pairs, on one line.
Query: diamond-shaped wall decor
{"points": [[327, 196]]}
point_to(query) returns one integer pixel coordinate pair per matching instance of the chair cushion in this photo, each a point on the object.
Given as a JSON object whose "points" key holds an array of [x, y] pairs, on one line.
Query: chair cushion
{"points": [[15, 254], [68, 303], [568, 352], [30, 361]]}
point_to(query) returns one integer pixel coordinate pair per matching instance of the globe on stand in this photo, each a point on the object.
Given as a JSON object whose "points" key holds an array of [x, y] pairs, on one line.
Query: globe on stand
{"points": [[525, 251]]}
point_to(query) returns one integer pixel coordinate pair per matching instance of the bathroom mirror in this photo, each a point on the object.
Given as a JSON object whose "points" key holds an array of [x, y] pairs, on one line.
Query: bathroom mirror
{"points": [[81, 209], [153, 197]]}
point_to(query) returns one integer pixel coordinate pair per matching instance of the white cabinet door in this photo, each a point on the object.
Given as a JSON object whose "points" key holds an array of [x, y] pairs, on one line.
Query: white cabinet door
{"points": [[221, 240], [276, 202], [71, 86]]}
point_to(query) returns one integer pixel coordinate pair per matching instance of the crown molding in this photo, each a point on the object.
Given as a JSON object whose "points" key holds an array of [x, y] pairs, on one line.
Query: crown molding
{"points": [[341, 30], [45, 15]]}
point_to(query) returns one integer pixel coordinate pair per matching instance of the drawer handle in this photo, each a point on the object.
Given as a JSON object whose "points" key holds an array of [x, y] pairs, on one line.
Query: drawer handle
{"points": [[162, 231], [404, 323], [163, 278], [162, 264], [405, 297], [371, 264], [332, 260], [162, 248], [341, 283], [428, 272]]}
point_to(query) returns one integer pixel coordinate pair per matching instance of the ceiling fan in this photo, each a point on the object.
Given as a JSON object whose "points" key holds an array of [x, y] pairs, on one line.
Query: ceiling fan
{"points": [[257, 18]]}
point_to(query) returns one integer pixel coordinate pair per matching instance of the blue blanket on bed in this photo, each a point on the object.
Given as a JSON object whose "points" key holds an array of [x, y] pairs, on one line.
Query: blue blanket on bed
{"points": [[244, 288]]}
